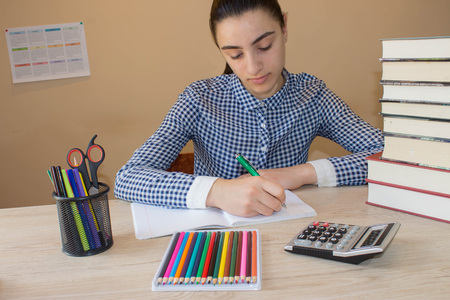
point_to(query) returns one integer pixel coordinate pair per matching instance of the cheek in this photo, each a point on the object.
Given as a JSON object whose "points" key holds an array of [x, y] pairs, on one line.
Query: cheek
{"points": [[236, 65]]}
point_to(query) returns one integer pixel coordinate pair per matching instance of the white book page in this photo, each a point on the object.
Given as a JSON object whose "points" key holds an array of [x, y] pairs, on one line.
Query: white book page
{"points": [[154, 221]]}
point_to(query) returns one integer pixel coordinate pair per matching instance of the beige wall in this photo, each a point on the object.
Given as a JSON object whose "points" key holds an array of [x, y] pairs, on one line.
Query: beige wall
{"points": [[143, 53]]}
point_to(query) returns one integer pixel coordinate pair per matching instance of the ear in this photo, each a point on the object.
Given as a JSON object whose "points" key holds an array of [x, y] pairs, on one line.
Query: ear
{"points": [[284, 29]]}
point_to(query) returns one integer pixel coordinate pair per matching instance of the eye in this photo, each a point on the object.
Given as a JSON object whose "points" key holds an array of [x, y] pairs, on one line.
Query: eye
{"points": [[236, 56], [266, 48]]}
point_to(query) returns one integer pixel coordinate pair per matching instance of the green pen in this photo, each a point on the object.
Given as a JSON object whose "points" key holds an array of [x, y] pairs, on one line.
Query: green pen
{"points": [[248, 166]]}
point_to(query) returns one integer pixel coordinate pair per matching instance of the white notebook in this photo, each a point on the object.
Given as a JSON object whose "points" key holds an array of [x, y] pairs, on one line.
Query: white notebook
{"points": [[154, 221]]}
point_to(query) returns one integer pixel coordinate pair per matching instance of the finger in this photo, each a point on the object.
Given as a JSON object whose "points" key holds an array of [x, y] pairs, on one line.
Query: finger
{"points": [[276, 191]]}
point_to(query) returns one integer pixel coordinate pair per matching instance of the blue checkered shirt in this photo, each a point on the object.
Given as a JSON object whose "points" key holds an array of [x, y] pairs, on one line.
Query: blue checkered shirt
{"points": [[222, 118]]}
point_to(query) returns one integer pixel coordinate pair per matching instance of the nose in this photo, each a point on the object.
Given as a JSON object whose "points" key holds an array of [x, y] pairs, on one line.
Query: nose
{"points": [[254, 64]]}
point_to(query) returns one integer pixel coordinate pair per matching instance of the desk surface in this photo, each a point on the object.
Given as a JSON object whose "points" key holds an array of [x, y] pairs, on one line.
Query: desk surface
{"points": [[416, 263]]}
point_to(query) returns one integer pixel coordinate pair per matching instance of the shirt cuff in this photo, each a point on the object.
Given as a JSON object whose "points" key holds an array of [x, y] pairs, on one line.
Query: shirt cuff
{"points": [[326, 174], [196, 196]]}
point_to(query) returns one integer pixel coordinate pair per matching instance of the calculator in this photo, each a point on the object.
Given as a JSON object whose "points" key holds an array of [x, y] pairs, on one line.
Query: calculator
{"points": [[343, 242]]}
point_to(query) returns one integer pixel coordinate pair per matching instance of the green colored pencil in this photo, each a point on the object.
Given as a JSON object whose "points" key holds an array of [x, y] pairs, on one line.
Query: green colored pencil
{"points": [[219, 256], [233, 257], [202, 261]]}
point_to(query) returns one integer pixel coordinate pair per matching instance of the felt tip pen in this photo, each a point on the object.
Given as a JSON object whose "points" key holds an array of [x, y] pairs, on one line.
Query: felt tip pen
{"points": [[248, 166]]}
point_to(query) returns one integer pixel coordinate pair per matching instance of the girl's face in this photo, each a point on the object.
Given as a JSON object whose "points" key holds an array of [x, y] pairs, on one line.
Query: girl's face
{"points": [[253, 44]]}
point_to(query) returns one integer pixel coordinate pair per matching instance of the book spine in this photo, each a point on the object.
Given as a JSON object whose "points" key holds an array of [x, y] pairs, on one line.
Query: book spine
{"points": [[435, 59], [408, 212], [388, 115], [381, 100], [397, 186], [416, 137], [416, 83]]}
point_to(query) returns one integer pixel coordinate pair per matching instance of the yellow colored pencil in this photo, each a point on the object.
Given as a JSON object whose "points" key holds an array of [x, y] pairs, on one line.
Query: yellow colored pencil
{"points": [[224, 257]]}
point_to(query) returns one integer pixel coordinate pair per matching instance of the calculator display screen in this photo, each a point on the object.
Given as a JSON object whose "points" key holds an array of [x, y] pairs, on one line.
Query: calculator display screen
{"points": [[373, 236]]}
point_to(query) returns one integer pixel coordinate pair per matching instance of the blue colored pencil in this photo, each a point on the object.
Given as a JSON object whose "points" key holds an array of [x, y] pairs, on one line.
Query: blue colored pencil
{"points": [[198, 257], [188, 260]]}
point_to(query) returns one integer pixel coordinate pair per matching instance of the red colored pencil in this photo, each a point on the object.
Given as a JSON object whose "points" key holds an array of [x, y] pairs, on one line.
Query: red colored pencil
{"points": [[208, 257]]}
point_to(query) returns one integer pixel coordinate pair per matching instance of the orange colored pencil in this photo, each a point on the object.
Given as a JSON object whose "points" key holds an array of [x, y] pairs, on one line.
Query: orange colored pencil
{"points": [[254, 257], [183, 258]]}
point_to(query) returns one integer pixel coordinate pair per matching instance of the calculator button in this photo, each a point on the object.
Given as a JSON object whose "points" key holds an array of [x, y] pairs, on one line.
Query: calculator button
{"points": [[307, 231], [316, 223], [312, 227], [348, 237], [302, 243], [334, 240], [318, 244], [302, 236], [340, 247], [312, 238], [325, 224], [317, 232], [321, 228], [327, 234], [338, 235], [342, 230], [329, 245], [344, 242], [353, 232], [323, 239], [332, 229]]}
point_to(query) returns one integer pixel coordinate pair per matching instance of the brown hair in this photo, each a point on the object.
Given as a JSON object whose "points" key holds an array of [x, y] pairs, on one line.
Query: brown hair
{"points": [[222, 9]]}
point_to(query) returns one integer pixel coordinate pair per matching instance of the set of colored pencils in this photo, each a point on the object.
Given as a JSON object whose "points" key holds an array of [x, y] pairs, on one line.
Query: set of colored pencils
{"points": [[82, 222], [211, 258]]}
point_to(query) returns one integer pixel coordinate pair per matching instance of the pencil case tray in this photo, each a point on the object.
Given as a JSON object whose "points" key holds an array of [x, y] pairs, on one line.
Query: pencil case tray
{"points": [[85, 223]]}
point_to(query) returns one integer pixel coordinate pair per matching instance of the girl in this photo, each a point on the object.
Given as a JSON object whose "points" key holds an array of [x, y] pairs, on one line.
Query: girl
{"points": [[258, 109]]}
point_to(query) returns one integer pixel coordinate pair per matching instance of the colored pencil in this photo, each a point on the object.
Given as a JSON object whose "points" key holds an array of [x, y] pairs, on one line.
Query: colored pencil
{"points": [[213, 258], [173, 258], [226, 273], [183, 258], [218, 259], [188, 257], [169, 256], [244, 256], [178, 258], [208, 258], [254, 257], [233, 256], [203, 259], [192, 256], [248, 272], [197, 259], [223, 257], [238, 258]]}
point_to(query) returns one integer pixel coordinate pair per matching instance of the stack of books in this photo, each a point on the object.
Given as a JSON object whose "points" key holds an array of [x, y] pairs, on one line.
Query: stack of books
{"points": [[412, 174]]}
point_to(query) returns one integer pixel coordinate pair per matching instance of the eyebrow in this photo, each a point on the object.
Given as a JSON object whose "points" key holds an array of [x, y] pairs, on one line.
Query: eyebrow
{"points": [[261, 37]]}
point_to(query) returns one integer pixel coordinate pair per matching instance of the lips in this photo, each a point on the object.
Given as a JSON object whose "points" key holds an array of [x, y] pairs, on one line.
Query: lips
{"points": [[259, 80]]}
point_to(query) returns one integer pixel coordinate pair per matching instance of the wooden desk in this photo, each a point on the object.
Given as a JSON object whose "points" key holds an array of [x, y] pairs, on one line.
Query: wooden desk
{"points": [[417, 264]]}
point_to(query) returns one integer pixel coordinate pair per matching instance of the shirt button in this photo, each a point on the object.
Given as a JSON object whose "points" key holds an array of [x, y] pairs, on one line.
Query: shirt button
{"points": [[263, 125], [264, 149]]}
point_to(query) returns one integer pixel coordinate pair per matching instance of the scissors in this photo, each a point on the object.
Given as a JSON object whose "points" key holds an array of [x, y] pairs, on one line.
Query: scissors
{"points": [[95, 156]]}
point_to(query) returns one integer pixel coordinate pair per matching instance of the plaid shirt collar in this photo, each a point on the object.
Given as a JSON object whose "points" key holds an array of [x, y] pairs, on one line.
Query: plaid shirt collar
{"points": [[249, 102]]}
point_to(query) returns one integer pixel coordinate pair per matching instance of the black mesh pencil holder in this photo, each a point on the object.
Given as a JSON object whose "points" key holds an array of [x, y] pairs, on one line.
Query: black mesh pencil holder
{"points": [[85, 223]]}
